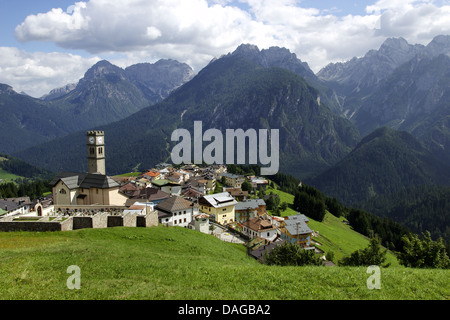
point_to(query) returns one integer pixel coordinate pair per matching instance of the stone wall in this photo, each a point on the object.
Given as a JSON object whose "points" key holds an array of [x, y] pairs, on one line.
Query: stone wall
{"points": [[64, 223], [82, 223], [141, 221], [30, 226], [115, 221], [67, 224], [147, 221], [100, 220], [42, 225], [151, 219], [129, 219]]}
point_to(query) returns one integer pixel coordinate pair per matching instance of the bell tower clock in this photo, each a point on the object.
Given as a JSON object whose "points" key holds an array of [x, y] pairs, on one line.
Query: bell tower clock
{"points": [[96, 152]]}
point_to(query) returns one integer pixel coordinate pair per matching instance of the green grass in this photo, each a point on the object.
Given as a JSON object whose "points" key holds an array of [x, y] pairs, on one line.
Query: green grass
{"points": [[8, 177], [130, 174], [27, 219], [177, 263], [334, 235], [284, 197]]}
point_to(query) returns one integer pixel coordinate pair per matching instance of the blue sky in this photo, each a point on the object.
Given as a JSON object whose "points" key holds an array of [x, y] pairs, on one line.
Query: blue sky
{"points": [[13, 13], [43, 47]]}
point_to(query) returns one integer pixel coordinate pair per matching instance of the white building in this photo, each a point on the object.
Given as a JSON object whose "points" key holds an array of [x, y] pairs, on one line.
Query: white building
{"points": [[261, 228], [176, 211]]}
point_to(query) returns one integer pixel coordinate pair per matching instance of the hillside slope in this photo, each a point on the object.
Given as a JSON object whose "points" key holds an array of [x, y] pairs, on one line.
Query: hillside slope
{"points": [[12, 168], [26, 121], [174, 263], [384, 162]]}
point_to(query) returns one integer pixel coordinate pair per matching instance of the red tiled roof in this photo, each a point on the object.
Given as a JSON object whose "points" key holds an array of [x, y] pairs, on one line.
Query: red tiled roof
{"points": [[151, 174]]}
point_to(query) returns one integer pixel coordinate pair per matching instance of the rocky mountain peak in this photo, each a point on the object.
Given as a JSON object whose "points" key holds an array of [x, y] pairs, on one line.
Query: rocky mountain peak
{"points": [[246, 49], [275, 57], [6, 89], [439, 45], [102, 68], [59, 92], [397, 44], [374, 66], [166, 72]]}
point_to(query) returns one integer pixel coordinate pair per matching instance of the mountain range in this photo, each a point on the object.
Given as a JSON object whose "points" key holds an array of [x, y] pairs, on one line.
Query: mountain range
{"points": [[233, 92], [403, 86], [105, 94]]}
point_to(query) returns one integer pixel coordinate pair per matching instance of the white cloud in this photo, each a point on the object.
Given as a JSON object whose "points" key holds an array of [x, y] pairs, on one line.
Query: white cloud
{"points": [[37, 73], [418, 21], [196, 31]]}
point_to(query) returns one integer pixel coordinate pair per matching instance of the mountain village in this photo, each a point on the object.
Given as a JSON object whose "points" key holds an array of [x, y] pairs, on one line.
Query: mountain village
{"points": [[207, 199]]}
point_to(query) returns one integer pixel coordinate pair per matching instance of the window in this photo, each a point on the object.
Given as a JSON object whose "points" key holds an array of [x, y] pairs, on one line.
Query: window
{"points": [[92, 151], [268, 234], [224, 209], [184, 219], [62, 191], [175, 221], [96, 190], [100, 150]]}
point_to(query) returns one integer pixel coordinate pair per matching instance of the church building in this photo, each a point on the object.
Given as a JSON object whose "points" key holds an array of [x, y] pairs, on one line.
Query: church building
{"points": [[93, 188]]}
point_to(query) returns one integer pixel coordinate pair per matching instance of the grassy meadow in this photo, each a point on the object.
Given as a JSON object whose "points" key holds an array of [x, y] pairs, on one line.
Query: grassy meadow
{"points": [[8, 177], [177, 263], [334, 234]]}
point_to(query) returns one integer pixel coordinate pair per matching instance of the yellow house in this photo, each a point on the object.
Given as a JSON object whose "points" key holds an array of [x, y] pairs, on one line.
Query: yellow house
{"points": [[233, 180], [219, 206], [84, 189]]}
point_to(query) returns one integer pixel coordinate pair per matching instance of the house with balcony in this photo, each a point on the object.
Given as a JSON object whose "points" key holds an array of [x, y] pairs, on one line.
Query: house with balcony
{"points": [[248, 209], [295, 229]]}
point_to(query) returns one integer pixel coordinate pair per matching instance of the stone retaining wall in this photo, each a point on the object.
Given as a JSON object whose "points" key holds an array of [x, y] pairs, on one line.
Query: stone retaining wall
{"points": [[115, 221], [100, 220]]}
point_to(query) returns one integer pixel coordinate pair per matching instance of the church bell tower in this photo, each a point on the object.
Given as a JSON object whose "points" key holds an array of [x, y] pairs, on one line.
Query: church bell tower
{"points": [[96, 152]]}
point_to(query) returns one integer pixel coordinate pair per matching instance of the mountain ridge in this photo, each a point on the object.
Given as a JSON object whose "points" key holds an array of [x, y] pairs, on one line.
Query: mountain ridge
{"points": [[231, 92], [386, 161], [400, 85], [105, 94]]}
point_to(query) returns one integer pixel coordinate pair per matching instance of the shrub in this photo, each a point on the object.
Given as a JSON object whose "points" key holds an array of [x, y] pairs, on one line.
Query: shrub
{"points": [[423, 252], [372, 255], [291, 254]]}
